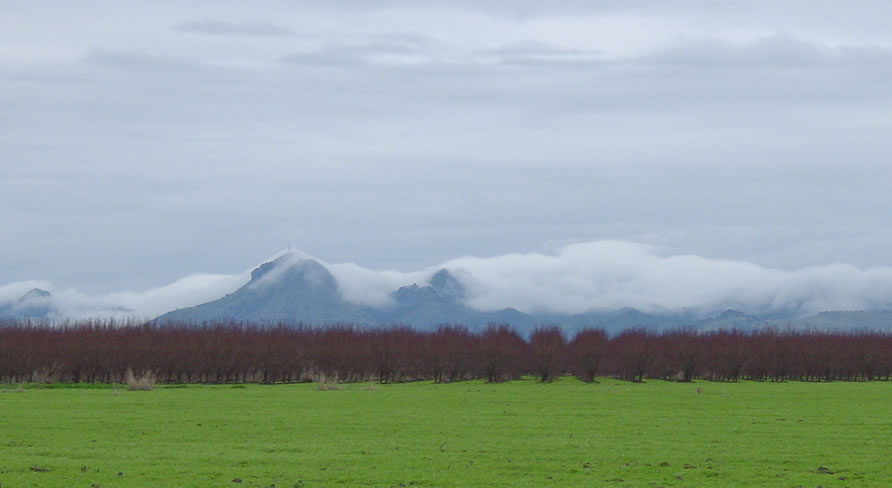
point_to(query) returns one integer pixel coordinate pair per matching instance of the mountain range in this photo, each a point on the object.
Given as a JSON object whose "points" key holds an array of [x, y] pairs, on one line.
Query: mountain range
{"points": [[291, 291], [305, 291]]}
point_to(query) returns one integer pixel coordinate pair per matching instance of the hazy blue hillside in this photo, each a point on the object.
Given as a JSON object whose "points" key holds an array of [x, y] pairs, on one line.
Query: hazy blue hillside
{"points": [[730, 319], [279, 291], [36, 304], [442, 302], [838, 320], [614, 321]]}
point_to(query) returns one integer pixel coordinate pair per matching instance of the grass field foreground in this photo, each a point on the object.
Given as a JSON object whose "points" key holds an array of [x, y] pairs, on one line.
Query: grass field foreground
{"points": [[466, 434]]}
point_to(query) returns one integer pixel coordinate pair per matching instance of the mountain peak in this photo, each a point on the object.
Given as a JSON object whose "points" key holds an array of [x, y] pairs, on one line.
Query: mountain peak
{"points": [[262, 270], [292, 269], [445, 284], [289, 288], [414, 294], [36, 303], [732, 314], [35, 294]]}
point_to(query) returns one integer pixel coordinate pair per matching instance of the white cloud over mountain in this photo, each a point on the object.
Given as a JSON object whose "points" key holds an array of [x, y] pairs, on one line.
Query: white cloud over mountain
{"points": [[602, 275]]}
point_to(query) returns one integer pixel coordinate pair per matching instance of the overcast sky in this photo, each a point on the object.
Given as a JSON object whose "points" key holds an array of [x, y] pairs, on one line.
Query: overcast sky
{"points": [[141, 142]]}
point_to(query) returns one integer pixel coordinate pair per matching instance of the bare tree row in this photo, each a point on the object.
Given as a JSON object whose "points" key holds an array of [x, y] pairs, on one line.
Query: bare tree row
{"points": [[104, 351]]}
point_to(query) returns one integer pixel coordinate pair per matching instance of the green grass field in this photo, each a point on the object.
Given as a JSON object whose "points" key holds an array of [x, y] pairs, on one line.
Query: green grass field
{"points": [[516, 434]]}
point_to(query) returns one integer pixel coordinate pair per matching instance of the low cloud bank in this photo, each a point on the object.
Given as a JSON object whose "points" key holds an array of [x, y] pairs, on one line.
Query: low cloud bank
{"points": [[609, 275], [602, 275]]}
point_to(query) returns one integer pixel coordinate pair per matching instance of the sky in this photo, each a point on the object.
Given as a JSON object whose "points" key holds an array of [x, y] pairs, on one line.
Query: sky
{"points": [[144, 142]]}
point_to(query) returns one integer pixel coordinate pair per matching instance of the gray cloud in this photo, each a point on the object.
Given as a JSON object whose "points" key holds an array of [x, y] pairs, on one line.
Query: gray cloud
{"points": [[827, 17], [402, 134], [137, 64], [535, 52], [396, 48], [221, 28]]}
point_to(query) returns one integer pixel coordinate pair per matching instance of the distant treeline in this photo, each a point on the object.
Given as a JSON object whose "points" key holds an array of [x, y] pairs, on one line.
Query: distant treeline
{"points": [[106, 352]]}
